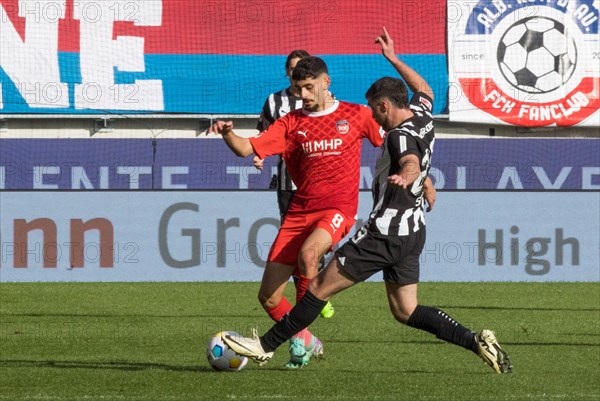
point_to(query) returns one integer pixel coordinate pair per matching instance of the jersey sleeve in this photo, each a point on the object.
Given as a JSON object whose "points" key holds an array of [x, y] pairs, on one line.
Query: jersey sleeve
{"points": [[423, 101], [371, 130], [272, 140], [401, 144]]}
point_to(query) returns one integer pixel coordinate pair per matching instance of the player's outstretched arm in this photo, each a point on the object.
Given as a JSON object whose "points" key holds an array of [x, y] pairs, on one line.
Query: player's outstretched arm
{"points": [[239, 145], [415, 82]]}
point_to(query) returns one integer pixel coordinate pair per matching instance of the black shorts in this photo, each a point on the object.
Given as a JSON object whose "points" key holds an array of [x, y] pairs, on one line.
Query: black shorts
{"points": [[369, 252]]}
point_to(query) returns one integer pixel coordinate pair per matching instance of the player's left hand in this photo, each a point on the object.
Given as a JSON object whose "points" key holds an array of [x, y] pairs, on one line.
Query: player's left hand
{"points": [[258, 163], [387, 44]]}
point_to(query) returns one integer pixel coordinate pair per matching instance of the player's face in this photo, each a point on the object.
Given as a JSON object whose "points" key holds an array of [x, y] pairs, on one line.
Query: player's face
{"points": [[378, 113], [313, 92]]}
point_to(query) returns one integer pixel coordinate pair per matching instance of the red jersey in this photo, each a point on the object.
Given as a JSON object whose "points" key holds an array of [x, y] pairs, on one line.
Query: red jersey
{"points": [[322, 153]]}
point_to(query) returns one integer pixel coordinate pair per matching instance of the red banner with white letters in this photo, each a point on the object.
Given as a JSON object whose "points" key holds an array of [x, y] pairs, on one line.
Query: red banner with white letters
{"points": [[578, 105]]}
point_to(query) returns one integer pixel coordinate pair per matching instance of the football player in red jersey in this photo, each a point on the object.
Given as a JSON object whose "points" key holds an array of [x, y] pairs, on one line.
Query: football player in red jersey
{"points": [[321, 145], [277, 105]]}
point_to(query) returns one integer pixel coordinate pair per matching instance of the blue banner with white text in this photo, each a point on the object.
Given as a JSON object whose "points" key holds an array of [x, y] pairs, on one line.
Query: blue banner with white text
{"points": [[207, 164]]}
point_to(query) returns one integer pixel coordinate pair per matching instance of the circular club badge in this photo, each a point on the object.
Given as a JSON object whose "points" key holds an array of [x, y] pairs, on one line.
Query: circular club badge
{"points": [[525, 62]]}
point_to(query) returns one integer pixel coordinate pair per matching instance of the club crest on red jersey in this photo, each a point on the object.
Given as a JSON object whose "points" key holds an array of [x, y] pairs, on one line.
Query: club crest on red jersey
{"points": [[342, 127]]}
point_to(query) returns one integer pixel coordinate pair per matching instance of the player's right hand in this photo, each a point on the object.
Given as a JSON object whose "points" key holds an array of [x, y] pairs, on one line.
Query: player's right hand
{"points": [[220, 127]]}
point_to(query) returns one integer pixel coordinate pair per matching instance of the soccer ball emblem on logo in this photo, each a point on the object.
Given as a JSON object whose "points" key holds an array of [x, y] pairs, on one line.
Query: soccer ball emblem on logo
{"points": [[221, 357], [537, 55]]}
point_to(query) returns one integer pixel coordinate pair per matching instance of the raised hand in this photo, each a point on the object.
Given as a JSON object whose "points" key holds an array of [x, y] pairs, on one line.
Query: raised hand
{"points": [[387, 44]]}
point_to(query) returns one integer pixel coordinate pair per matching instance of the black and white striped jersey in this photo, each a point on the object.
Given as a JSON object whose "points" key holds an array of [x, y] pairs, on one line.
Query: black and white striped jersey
{"points": [[397, 211], [277, 105]]}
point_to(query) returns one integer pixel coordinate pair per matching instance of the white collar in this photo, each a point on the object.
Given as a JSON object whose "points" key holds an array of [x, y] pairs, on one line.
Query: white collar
{"points": [[321, 113]]}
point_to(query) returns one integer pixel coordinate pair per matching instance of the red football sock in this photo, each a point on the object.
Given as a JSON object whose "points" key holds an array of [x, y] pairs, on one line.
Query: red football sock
{"points": [[305, 335], [282, 308], [301, 287]]}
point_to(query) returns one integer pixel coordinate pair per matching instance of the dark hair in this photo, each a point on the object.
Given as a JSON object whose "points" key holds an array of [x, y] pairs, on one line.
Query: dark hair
{"points": [[393, 89], [309, 67], [298, 53]]}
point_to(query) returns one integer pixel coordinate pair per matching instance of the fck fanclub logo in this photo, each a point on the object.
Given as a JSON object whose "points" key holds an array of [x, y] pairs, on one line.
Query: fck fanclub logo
{"points": [[542, 61]]}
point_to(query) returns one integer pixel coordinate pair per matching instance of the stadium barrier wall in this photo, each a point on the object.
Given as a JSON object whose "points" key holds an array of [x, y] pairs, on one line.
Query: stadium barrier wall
{"points": [[188, 210], [180, 164], [225, 236]]}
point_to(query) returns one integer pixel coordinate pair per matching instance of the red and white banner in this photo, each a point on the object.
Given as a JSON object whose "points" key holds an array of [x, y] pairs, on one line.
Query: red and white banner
{"points": [[528, 63], [200, 56]]}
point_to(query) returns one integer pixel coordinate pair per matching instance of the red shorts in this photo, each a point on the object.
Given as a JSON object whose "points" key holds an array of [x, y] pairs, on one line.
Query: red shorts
{"points": [[297, 227]]}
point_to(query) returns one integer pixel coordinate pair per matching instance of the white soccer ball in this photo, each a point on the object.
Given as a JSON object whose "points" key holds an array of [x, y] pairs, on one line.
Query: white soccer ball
{"points": [[537, 55], [221, 357]]}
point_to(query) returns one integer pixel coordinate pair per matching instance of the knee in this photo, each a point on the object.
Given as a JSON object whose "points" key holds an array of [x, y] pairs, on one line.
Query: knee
{"points": [[318, 290], [400, 316], [402, 313], [268, 301], [313, 287], [308, 262]]}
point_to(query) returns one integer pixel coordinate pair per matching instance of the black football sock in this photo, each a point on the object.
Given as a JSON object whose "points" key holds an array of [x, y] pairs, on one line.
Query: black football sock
{"points": [[442, 326], [300, 317]]}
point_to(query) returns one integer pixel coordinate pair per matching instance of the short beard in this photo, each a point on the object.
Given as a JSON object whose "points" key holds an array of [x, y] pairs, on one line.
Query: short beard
{"points": [[312, 108]]}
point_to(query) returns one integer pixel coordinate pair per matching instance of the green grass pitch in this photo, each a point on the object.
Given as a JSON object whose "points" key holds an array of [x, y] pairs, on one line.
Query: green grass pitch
{"points": [[146, 341]]}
